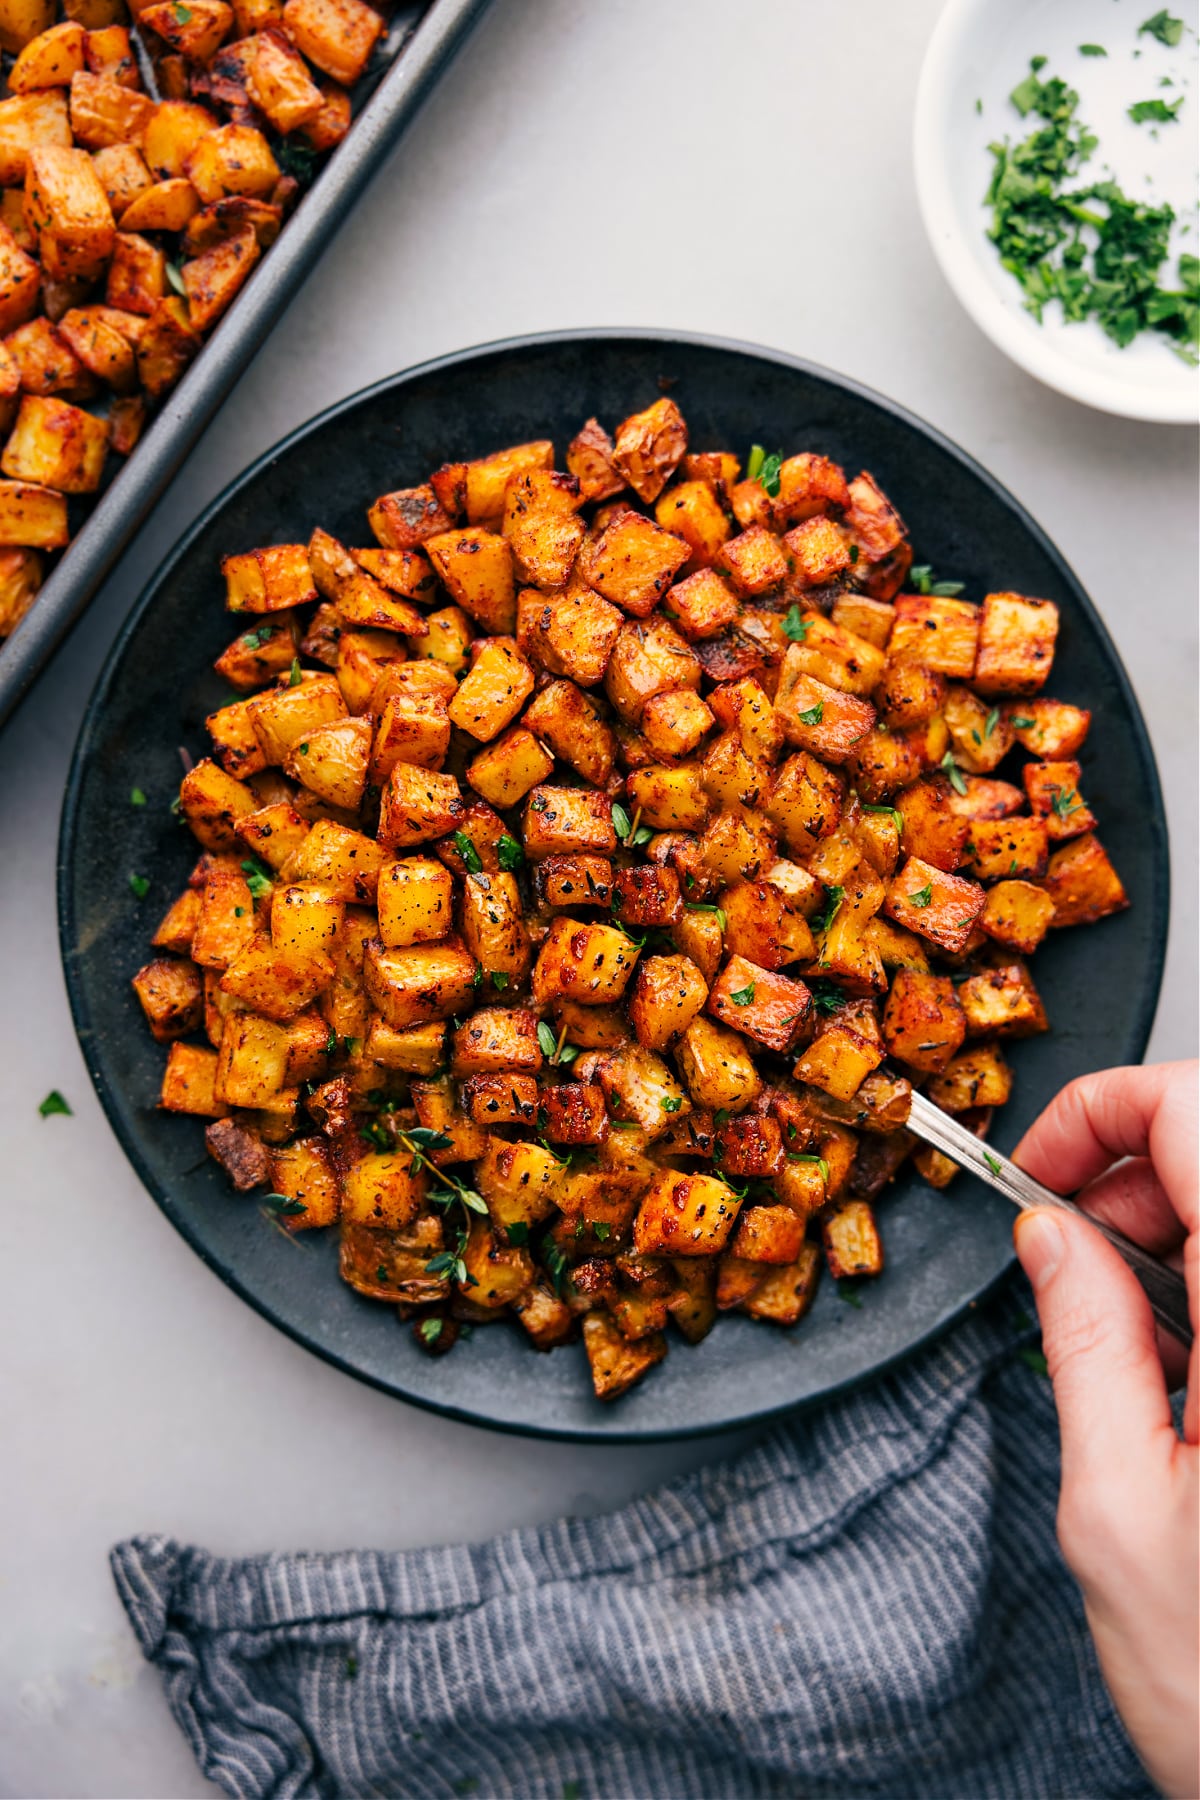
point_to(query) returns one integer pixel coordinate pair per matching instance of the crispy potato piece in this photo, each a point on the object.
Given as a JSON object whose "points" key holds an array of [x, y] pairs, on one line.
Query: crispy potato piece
{"points": [[337, 35], [649, 447], [303, 1172], [31, 515], [1083, 884], [418, 805], [420, 982], [923, 1021], [68, 209], [172, 997], [975, 1077], [784, 1294], [693, 511], [415, 901], [492, 694], [212, 280], [566, 719], [633, 562], [1048, 728], [996, 849], [1016, 644], [189, 1082], [717, 1067], [233, 159], [685, 1215], [590, 461], [571, 634], [541, 525], [616, 1363], [817, 554], [509, 768], [104, 112], [587, 963], [939, 632], [668, 992], [1017, 914], [819, 718], [1002, 1002], [1054, 797], [937, 906], [760, 1003], [851, 1241], [49, 60]]}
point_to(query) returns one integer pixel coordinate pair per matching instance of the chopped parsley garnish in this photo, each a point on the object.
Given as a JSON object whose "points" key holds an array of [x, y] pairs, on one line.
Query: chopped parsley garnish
{"points": [[794, 627], [1162, 26], [140, 885], [1092, 50], [517, 1232], [893, 813], [956, 776], [764, 469], [254, 640], [555, 1263], [826, 998], [1155, 112], [603, 1230], [183, 14], [812, 715], [848, 1291], [1091, 248], [472, 861], [993, 1162], [743, 996], [833, 900], [54, 1103], [258, 879], [284, 1206], [706, 906], [671, 1103], [136, 797], [499, 980], [294, 675], [921, 580], [921, 896], [295, 159], [375, 1132], [509, 853], [430, 1330]]}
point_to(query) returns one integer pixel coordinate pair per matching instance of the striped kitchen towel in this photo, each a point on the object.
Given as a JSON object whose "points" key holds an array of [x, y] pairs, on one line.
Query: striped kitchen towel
{"points": [[870, 1602]]}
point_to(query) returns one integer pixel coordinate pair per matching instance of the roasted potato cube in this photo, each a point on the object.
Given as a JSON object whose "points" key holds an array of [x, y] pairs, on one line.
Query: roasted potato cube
{"points": [[1017, 914], [633, 562], [674, 723], [496, 1040], [1016, 644], [285, 717], [409, 519], [851, 1241], [493, 926], [497, 1274], [702, 605], [412, 985], [276, 980], [56, 445], [19, 282], [641, 1090], [574, 1113], [693, 512], [1049, 728], [810, 484], [819, 718], [839, 1059], [649, 447], [669, 798], [909, 693], [934, 904], [754, 562], [805, 801], [980, 735], [587, 963], [784, 1294], [381, 1189], [930, 828], [477, 568], [1082, 883], [135, 286], [717, 1067], [331, 761], [560, 821], [646, 660], [304, 1173], [685, 1215], [32, 515], [240, 1152], [590, 460], [307, 917], [501, 1099], [417, 805], [233, 159], [493, 693], [280, 84], [506, 771], [646, 895], [483, 482], [760, 1003], [520, 1182], [884, 762], [668, 992], [213, 803], [68, 209], [258, 655], [1054, 797], [542, 526], [268, 580], [447, 640], [939, 632], [566, 719], [346, 861], [172, 997], [571, 634], [737, 1278], [212, 280], [996, 849], [760, 927], [393, 1265], [985, 798], [1002, 1002], [573, 881], [189, 1082], [923, 1021], [975, 1077], [884, 554], [751, 1144], [768, 1234], [252, 1064], [23, 20], [616, 1362], [168, 343], [419, 1050], [817, 553], [237, 748], [743, 707], [103, 112], [415, 901], [414, 722]]}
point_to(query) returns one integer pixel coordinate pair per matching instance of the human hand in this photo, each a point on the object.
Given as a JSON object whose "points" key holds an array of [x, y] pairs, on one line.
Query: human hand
{"points": [[1130, 1495]]}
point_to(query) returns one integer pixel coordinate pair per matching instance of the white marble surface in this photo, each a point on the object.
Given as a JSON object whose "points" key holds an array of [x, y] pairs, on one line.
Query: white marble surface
{"points": [[690, 163]]}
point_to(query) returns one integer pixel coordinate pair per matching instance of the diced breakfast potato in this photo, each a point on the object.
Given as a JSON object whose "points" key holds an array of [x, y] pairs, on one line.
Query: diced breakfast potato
{"points": [[592, 865]]}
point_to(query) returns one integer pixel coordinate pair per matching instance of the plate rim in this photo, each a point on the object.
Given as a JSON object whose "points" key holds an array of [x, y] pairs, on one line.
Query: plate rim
{"points": [[1009, 332], [96, 705]]}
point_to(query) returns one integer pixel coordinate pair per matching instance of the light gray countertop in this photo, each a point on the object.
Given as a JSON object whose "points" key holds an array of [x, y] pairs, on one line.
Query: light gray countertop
{"points": [[686, 163]]}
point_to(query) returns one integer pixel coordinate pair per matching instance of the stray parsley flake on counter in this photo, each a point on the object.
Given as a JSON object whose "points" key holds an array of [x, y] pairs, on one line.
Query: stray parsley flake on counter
{"points": [[1091, 248], [1161, 25], [54, 1103], [1092, 50]]}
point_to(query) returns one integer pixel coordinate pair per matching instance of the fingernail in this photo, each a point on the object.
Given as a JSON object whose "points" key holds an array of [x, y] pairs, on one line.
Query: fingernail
{"points": [[1039, 1244]]}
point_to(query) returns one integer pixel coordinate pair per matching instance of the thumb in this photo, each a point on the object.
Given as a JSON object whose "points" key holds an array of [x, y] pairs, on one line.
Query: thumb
{"points": [[1100, 1343]]}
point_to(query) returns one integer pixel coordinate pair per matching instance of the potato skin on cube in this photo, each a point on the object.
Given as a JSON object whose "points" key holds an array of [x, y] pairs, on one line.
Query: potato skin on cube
{"points": [[851, 1240], [649, 447], [923, 1022], [685, 1215], [172, 997], [616, 1363]]}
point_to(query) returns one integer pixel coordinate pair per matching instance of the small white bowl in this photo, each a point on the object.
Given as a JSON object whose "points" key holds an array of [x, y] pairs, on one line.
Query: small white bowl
{"points": [[979, 51]]}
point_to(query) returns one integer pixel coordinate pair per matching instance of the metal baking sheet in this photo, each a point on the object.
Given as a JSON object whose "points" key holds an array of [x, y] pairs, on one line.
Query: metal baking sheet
{"points": [[421, 40]]}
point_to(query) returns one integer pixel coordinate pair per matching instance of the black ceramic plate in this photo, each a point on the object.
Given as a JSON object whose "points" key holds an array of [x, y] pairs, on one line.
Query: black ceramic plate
{"points": [[943, 1249]]}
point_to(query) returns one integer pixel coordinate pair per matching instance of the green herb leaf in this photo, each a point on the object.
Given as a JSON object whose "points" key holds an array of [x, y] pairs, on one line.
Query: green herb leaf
{"points": [[1092, 50], [258, 878], [447, 1265], [768, 474], [922, 896], [671, 1104], [957, 778], [472, 861], [283, 1206], [1155, 112], [893, 813], [572, 1789], [295, 159], [755, 461], [603, 1230], [622, 823], [794, 627], [427, 1139], [743, 996], [826, 997], [295, 676], [499, 980], [993, 719], [140, 885], [813, 714], [136, 797], [509, 853], [54, 1103], [848, 1291], [254, 640], [555, 1263], [1064, 802], [921, 581], [992, 1162], [706, 906], [1020, 723], [546, 1038], [183, 14], [833, 900], [430, 1330], [1162, 26], [175, 275], [475, 1202]]}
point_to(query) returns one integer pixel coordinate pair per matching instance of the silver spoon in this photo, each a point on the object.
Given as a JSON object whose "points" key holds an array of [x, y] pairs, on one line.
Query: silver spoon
{"points": [[1165, 1289]]}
